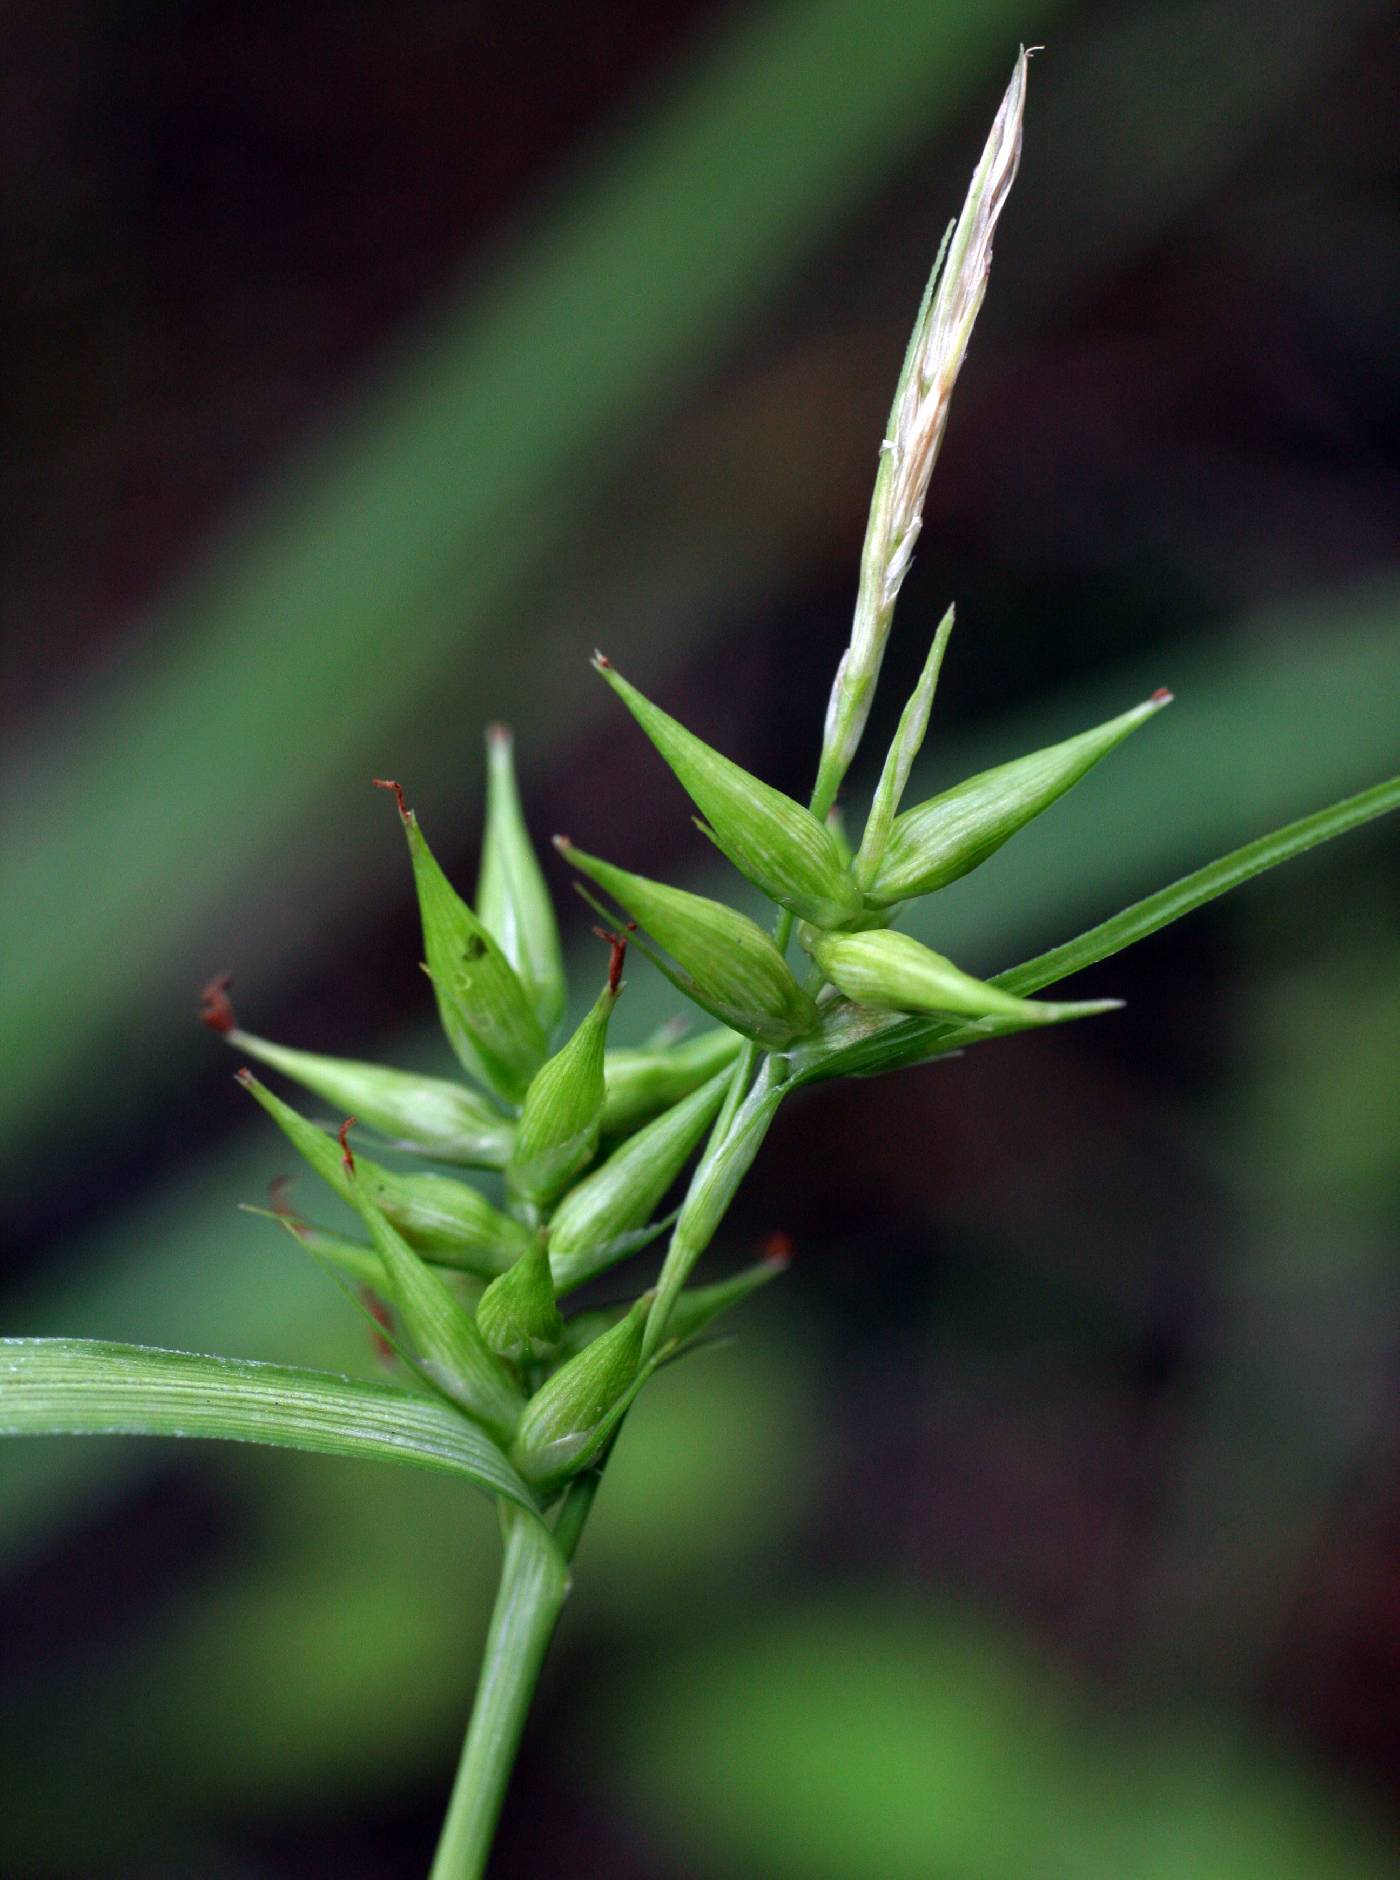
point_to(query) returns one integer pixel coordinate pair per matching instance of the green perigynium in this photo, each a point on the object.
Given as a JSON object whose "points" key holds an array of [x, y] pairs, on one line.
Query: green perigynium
{"points": [[719, 958], [484, 1007], [512, 897], [938, 842], [427, 1116], [519, 1313], [777, 843], [562, 1115], [448, 1221], [641, 1083], [504, 1378], [892, 972], [618, 1197], [566, 1419]]}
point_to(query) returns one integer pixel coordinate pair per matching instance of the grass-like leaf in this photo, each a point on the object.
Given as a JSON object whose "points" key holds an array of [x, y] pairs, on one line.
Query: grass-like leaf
{"points": [[78, 1386], [854, 1043]]}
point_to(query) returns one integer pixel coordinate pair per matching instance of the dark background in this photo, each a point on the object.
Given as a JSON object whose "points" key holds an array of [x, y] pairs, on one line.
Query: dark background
{"points": [[364, 368]]}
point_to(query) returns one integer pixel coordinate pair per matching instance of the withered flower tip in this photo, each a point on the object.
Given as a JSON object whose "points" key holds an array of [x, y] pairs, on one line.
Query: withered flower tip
{"points": [[387, 783], [215, 1007]]}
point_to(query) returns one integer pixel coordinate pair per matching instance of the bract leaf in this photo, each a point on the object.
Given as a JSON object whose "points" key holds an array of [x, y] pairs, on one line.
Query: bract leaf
{"points": [[78, 1386]]}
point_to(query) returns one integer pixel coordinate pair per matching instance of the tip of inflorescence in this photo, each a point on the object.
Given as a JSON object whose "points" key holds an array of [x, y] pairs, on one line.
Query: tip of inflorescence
{"points": [[1162, 696]]}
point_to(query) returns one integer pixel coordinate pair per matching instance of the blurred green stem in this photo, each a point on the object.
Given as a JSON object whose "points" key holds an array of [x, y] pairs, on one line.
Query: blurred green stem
{"points": [[534, 1585]]}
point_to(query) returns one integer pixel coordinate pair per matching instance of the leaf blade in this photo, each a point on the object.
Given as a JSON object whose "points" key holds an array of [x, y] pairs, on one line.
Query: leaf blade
{"points": [[1183, 896], [79, 1386]]}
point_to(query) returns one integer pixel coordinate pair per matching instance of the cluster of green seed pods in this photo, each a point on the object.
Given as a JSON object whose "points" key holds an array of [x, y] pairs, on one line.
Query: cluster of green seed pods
{"points": [[585, 1142], [582, 1143], [728, 965]]}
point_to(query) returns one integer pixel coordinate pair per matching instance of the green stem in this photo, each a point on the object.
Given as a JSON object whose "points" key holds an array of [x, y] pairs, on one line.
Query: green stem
{"points": [[534, 1585], [578, 1505]]}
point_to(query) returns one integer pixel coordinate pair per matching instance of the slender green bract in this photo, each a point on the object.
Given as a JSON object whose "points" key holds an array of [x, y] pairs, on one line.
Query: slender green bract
{"points": [[899, 761], [1182, 897]]}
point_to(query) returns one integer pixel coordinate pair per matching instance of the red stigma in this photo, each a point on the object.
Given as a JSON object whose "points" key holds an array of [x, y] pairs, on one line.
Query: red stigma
{"points": [[777, 1249], [381, 1315], [1161, 696], [243, 1076], [387, 783], [562, 842], [619, 954], [214, 1007], [601, 661], [347, 1155], [499, 733]]}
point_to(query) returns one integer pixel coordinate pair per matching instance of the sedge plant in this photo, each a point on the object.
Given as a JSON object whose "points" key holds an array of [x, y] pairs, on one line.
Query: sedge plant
{"points": [[498, 1378]]}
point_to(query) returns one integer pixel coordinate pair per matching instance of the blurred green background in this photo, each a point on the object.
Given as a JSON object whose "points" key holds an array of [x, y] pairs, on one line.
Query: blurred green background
{"points": [[369, 365]]}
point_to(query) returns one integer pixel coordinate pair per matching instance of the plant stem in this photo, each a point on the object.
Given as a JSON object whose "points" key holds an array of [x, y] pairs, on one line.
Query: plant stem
{"points": [[534, 1585], [578, 1505]]}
